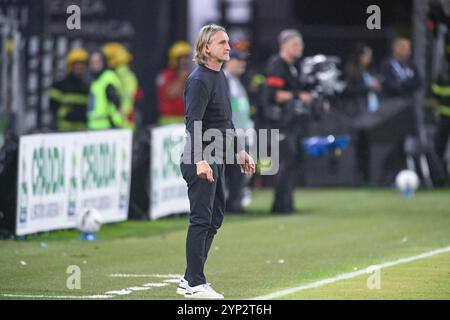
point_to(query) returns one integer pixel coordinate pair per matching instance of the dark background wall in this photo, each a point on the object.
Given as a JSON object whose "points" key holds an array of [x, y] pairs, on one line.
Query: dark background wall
{"points": [[147, 28], [329, 27]]}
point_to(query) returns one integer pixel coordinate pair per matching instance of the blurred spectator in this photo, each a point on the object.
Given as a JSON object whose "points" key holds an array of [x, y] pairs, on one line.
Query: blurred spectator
{"points": [[237, 183], [361, 97], [69, 97], [104, 100], [118, 59], [171, 83], [441, 91], [363, 86], [400, 77]]}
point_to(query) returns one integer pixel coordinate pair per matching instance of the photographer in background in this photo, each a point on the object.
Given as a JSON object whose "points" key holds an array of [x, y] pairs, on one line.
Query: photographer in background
{"points": [[282, 91]]}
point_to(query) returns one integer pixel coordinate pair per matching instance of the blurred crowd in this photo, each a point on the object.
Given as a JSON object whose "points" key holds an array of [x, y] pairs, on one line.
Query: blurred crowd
{"points": [[100, 91], [101, 86]]}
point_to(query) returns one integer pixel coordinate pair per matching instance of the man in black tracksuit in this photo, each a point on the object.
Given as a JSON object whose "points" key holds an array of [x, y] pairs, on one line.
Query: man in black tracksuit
{"points": [[282, 91], [207, 103]]}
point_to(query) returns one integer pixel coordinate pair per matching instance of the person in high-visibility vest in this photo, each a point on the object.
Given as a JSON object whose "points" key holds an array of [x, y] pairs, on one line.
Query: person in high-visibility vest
{"points": [[118, 59], [69, 97], [441, 91], [104, 98]]}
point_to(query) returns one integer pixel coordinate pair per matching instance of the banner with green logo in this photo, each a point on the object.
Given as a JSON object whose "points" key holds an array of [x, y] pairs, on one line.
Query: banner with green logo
{"points": [[62, 174], [168, 188]]}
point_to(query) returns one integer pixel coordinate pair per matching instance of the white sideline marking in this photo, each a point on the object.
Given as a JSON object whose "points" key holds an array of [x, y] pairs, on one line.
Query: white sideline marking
{"points": [[119, 292], [178, 276], [172, 280], [56, 297], [156, 285], [114, 293], [138, 288], [350, 275]]}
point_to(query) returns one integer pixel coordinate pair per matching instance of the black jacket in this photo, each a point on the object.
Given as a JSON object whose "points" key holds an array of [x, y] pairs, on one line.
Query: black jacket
{"points": [[400, 80], [61, 94]]}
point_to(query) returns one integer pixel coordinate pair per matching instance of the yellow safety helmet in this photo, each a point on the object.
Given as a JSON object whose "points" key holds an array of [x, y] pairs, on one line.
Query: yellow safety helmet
{"points": [[177, 50], [76, 55], [116, 54]]}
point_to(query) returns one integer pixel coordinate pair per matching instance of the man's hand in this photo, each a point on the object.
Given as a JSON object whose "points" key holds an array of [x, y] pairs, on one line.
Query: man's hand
{"points": [[204, 171], [282, 96], [246, 162]]}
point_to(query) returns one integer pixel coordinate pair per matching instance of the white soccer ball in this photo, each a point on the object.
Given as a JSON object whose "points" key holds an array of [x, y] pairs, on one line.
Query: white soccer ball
{"points": [[89, 221], [407, 182]]}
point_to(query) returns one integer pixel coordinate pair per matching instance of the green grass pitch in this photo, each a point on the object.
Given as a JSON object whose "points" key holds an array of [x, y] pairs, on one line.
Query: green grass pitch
{"points": [[335, 231]]}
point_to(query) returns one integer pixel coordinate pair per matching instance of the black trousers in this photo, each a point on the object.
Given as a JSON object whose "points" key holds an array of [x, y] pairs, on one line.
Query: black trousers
{"points": [[207, 206], [236, 183], [286, 178], [363, 156]]}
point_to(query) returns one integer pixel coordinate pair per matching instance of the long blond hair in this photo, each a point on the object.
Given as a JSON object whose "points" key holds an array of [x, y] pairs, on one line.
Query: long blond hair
{"points": [[204, 38]]}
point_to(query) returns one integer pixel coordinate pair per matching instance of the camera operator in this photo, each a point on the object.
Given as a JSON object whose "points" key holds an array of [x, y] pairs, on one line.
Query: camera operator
{"points": [[283, 97]]}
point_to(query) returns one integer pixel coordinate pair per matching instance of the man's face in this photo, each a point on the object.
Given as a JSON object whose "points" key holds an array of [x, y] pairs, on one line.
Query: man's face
{"points": [[294, 47], [96, 63], [402, 50], [219, 48], [79, 69], [366, 57], [184, 62]]}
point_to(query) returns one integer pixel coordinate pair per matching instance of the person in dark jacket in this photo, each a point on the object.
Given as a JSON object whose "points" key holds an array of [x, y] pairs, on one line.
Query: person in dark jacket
{"points": [[363, 86], [441, 91], [283, 92], [361, 97], [400, 76], [69, 97]]}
